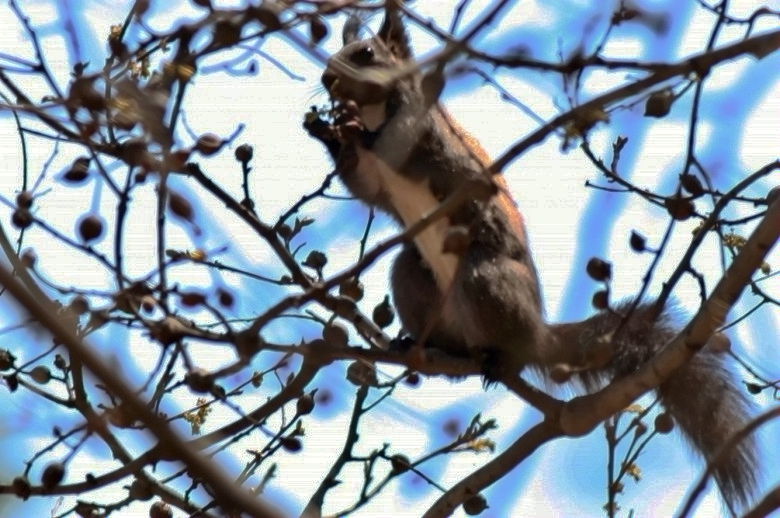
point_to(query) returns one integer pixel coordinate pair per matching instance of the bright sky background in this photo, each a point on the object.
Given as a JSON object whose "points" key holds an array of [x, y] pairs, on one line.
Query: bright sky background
{"points": [[737, 134]]}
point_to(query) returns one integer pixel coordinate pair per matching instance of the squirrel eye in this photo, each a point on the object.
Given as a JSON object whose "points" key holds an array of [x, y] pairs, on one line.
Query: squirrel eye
{"points": [[363, 56]]}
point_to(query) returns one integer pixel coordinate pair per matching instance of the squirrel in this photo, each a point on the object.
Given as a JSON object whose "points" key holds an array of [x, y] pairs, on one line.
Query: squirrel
{"points": [[397, 149]]}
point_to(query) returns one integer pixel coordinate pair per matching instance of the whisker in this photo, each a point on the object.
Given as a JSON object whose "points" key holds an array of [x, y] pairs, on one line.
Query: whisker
{"points": [[317, 90]]}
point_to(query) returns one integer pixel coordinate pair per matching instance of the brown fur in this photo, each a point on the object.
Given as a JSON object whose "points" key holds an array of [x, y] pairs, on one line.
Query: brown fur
{"points": [[488, 299]]}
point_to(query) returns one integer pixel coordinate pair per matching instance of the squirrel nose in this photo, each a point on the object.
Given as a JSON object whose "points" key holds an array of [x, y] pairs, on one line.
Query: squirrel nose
{"points": [[328, 78]]}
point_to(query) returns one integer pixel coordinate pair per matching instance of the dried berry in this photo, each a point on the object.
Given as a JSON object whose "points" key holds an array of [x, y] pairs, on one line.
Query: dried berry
{"points": [[351, 288], [361, 373], [21, 487], [78, 171], [285, 231], [29, 258], [148, 303], [412, 379], [199, 380], [598, 269], [225, 298], [637, 242], [692, 184], [291, 444], [600, 299], [305, 404], [90, 228], [24, 199], [87, 510], [177, 160], [79, 305], [41, 374], [244, 153], [6, 360], [53, 475], [400, 463], [335, 334], [474, 505], [141, 490], [383, 313], [659, 103], [60, 362], [679, 208], [561, 372], [21, 218], [160, 510], [192, 299], [257, 379], [208, 144], [316, 260], [180, 206], [12, 382], [134, 151]]}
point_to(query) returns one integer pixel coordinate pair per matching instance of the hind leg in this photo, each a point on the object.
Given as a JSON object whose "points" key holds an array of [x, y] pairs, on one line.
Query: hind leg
{"points": [[420, 304], [497, 298]]}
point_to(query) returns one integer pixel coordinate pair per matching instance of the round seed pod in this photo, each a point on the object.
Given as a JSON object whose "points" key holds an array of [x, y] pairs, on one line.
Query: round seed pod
{"points": [[599, 269], [474, 505], [209, 144], [53, 475], [90, 227]]}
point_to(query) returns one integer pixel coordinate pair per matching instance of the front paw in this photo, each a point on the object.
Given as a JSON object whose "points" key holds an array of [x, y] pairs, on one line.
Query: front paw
{"points": [[341, 130], [319, 128], [348, 124]]}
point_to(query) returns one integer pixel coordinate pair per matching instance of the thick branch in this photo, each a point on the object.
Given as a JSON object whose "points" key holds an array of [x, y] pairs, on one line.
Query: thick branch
{"points": [[699, 64], [227, 493]]}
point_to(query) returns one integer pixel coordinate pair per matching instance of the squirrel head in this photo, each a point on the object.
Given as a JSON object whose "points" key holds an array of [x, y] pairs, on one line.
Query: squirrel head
{"points": [[362, 71]]}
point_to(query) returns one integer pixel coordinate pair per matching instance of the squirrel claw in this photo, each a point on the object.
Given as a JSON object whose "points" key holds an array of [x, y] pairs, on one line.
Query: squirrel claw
{"points": [[493, 366]]}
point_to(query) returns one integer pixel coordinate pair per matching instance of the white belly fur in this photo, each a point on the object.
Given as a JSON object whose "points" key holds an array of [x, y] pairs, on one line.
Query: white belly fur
{"points": [[373, 115], [413, 200]]}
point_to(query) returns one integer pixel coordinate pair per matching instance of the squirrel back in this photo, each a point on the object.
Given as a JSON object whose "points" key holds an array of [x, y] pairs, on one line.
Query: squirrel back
{"points": [[397, 149]]}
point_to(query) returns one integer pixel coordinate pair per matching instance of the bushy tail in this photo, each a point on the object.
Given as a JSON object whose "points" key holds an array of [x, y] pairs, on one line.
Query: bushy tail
{"points": [[703, 397]]}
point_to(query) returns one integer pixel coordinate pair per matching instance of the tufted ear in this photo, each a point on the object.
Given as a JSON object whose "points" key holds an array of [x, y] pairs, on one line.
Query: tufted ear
{"points": [[351, 31], [393, 32]]}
